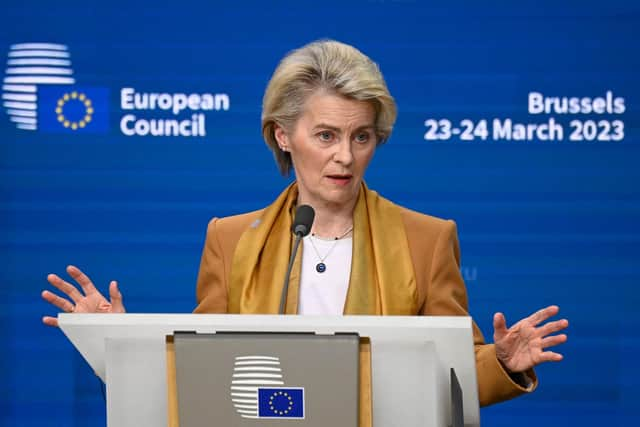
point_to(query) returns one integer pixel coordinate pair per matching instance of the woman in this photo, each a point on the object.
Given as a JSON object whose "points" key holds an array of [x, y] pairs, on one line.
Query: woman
{"points": [[325, 111]]}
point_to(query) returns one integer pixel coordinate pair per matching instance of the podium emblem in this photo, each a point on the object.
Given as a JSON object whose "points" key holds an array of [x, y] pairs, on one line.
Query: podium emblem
{"points": [[258, 390]]}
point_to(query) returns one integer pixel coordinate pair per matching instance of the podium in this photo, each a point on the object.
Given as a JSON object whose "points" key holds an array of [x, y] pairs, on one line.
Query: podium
{"points": [[416, 362]]}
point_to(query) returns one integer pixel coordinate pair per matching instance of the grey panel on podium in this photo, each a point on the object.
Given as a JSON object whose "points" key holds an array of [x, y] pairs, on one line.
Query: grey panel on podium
{"points": [[411, 359], [235, 379]]}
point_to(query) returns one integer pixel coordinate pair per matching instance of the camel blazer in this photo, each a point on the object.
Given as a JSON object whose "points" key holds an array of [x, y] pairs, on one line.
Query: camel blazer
{"points": [[435, 255]]}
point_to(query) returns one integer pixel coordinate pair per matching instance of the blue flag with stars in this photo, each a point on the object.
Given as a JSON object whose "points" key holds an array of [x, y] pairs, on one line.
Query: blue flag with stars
{"points": [[276, 402], [73, 109]]}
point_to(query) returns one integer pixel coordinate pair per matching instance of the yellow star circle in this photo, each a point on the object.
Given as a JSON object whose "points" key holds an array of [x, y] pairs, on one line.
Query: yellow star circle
{"points": [[289, 403], [75, 97]]}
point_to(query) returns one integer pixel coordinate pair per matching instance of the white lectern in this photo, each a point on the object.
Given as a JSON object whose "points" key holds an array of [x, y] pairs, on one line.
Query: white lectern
{"points": [[411, 358]]}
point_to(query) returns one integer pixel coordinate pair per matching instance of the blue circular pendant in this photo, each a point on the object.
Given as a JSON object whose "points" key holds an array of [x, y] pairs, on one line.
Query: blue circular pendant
{"points": [[320, 267]]}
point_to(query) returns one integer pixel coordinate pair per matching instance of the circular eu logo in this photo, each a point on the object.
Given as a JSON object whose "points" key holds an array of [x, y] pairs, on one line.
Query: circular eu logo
{"points": [[280, 403], [74, 110]]}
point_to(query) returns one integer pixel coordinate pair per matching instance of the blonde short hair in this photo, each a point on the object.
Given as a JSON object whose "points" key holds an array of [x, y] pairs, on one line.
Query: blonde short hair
{"points": [[329, 65]]}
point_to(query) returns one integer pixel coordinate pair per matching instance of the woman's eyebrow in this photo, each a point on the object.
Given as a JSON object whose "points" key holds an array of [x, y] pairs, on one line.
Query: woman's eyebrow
{"points": [[326, 126], [337, 129]]}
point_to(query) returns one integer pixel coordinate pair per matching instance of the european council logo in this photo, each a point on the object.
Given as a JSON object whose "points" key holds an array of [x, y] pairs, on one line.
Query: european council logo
{"points": [[258, 390], [38, 92]]}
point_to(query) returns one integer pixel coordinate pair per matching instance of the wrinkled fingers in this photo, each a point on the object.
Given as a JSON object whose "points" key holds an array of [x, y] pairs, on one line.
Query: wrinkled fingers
{"points": [[65, 287], [50, 321], [81, 278], [62, 303], [552, 327], [553, 340], [543, 314], [550, 356]]}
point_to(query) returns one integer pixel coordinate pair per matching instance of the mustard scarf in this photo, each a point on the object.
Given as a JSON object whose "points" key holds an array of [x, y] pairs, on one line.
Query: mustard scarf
{"points": [[382, 279]]}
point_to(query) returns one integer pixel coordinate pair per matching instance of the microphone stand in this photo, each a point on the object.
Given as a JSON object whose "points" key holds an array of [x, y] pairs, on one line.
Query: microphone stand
{"points": [[285, 288]]}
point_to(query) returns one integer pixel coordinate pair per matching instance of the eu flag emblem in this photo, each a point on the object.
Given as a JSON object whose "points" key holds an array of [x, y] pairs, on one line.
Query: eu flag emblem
{"points": [[73, 109], [277, 402]]}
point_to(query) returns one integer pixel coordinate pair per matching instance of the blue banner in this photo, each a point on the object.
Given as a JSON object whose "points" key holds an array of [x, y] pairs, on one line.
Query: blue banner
{"points": [[518, 120]]}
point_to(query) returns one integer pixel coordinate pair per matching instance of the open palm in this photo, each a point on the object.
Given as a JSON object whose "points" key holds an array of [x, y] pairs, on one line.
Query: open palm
{"points": [[522, 346], [90, 300]]}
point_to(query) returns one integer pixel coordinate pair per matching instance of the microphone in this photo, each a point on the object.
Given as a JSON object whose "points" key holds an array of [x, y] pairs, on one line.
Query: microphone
{"points": [[303, 220], [301, 227]]}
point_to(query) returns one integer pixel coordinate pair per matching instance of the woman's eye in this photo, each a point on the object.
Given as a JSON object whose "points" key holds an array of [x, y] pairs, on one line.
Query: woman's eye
{"points": [[325, 136], [362, 137]]}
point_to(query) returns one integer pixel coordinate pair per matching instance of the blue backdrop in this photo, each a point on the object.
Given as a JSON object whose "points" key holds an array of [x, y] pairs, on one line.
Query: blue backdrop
{"points": [[550, 217]]}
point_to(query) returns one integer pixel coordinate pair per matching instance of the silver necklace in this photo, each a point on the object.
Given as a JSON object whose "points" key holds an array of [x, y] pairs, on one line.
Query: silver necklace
{"points": [[321, 267]]}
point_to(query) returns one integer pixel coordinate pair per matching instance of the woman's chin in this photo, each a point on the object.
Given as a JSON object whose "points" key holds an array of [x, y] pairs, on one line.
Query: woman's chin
{"points": [[342, 197]]}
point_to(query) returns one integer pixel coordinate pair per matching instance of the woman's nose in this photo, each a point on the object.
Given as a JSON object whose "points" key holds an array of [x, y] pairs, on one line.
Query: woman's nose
{"points": [[343, 153]]}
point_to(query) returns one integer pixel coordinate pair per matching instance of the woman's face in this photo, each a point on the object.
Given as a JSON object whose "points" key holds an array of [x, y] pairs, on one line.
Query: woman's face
{"points": [[331, 146]]}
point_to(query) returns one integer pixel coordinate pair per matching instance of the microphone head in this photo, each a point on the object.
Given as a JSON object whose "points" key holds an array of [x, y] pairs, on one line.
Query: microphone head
{"points": [[303, 220]]}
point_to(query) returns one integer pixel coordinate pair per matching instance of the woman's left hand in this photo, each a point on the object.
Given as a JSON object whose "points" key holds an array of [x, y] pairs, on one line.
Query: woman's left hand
{"points": [[522, 346]]}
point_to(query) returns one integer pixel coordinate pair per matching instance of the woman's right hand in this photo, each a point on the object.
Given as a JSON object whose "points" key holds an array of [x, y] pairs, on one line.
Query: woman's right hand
{"points": [[91, 302]]}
